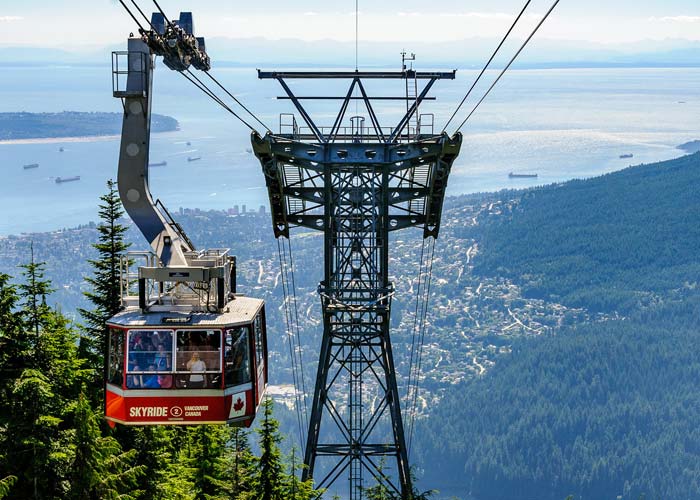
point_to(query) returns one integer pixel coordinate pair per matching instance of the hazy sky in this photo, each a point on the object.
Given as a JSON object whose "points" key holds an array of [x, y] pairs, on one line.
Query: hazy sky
{"points": [[89, 23]]}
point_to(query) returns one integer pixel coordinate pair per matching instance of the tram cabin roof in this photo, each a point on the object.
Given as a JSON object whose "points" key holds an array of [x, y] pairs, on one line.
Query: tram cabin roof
{"points": [[241, 310]]}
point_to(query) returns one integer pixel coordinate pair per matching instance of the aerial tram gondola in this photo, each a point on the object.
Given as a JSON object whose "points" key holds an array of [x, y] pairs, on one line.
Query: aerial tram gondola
{"points": [[186, 348]]}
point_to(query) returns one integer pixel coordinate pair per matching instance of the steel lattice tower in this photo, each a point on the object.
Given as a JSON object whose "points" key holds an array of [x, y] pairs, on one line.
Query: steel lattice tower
{"points": [[356, 184]]}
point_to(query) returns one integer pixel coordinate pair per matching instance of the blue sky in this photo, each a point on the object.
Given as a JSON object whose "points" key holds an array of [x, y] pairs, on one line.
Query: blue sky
{"points": [[76, 24]]}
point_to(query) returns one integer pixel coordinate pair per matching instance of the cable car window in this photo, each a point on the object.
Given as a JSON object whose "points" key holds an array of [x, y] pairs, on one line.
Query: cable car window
{"points": [[115, 371], [198, 355], [150, 359], [259, 354], [237, 356]]}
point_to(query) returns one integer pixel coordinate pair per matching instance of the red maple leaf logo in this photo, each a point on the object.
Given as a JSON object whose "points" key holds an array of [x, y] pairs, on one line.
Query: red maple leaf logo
{"points": [[238, 405]]}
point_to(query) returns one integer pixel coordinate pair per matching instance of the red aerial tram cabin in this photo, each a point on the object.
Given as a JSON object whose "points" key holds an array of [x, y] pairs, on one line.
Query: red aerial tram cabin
{"points": [[187, 368], [186, 348]]}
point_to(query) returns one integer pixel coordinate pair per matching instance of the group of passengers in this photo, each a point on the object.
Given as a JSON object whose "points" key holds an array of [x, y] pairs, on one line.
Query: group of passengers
{"points": [[151, 359], [151, 352], [196, 380]]}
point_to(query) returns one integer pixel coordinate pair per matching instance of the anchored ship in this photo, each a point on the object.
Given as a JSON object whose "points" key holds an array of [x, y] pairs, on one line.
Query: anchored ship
{"points": [[513, 175], [60, 180], [31, 165], [627, 155]]}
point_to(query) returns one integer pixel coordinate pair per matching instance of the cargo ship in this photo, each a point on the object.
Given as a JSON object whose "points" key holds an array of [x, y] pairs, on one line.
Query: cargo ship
{"points": [[627, 155], [60, 180], [31, 165], [158, 164], [513, 175], [194, 158]]}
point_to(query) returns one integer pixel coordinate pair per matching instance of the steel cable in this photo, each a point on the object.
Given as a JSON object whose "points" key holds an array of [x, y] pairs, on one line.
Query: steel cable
{"points": [[420, 346], [415, 324], [131, 14], [298, 335], [288, 320], [144, 15], [237, 101], [488, 63], [203, 87], [161, 11], [509, 64]]}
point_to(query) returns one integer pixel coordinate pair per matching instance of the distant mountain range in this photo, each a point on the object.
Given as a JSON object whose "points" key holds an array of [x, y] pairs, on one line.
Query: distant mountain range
{"points": [[470, 52]]}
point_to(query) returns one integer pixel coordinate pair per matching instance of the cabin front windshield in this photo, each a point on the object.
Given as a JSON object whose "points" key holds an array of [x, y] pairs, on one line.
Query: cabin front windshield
{"points": [[164, 359]]}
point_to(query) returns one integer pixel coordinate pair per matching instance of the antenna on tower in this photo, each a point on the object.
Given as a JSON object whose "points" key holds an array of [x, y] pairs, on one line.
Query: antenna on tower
{"points": [[412, 57]]}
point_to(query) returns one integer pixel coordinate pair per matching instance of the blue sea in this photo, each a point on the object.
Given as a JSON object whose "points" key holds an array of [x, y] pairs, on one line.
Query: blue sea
{"points": [[558, 123]]}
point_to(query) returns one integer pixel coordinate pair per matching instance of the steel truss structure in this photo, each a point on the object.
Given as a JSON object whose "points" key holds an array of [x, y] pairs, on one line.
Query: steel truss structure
{"points": [[357, 183]]}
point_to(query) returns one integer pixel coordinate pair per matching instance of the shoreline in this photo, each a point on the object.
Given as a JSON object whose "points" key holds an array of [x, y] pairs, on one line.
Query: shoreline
{"points": [[70, 139], [57, 140]]}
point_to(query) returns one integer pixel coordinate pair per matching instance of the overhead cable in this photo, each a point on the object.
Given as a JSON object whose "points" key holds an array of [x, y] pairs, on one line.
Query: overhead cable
{"points": [[131, 14], [161, 11], [509, 64], [298, 335], [237, 101], [423, 323], [488, 63], [144, 15], [415, 327], [202, 86], [290, 333]]}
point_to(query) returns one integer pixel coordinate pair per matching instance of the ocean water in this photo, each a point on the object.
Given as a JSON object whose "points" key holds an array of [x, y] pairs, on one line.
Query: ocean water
{"points": [[558, 123]]}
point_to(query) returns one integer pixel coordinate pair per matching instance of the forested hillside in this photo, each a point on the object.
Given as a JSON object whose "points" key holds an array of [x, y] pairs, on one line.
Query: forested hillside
{"points": [[598, 410], [610, 243]]}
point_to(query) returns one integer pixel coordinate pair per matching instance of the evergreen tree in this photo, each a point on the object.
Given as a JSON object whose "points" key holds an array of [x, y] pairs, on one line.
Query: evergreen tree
{"points": [[239, 464], [36, 414], [294, 488], [152, 447], [15, 344], [105, 292], [176, 483], [33, 292], [380, 490], [269, 482], [100, 469], [5, 485], [178, 470], [165, 476], [207, 457]]}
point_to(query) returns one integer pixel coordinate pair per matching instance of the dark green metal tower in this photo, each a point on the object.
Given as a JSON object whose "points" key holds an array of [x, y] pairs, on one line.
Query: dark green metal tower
{"points": [[357, 183]]}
